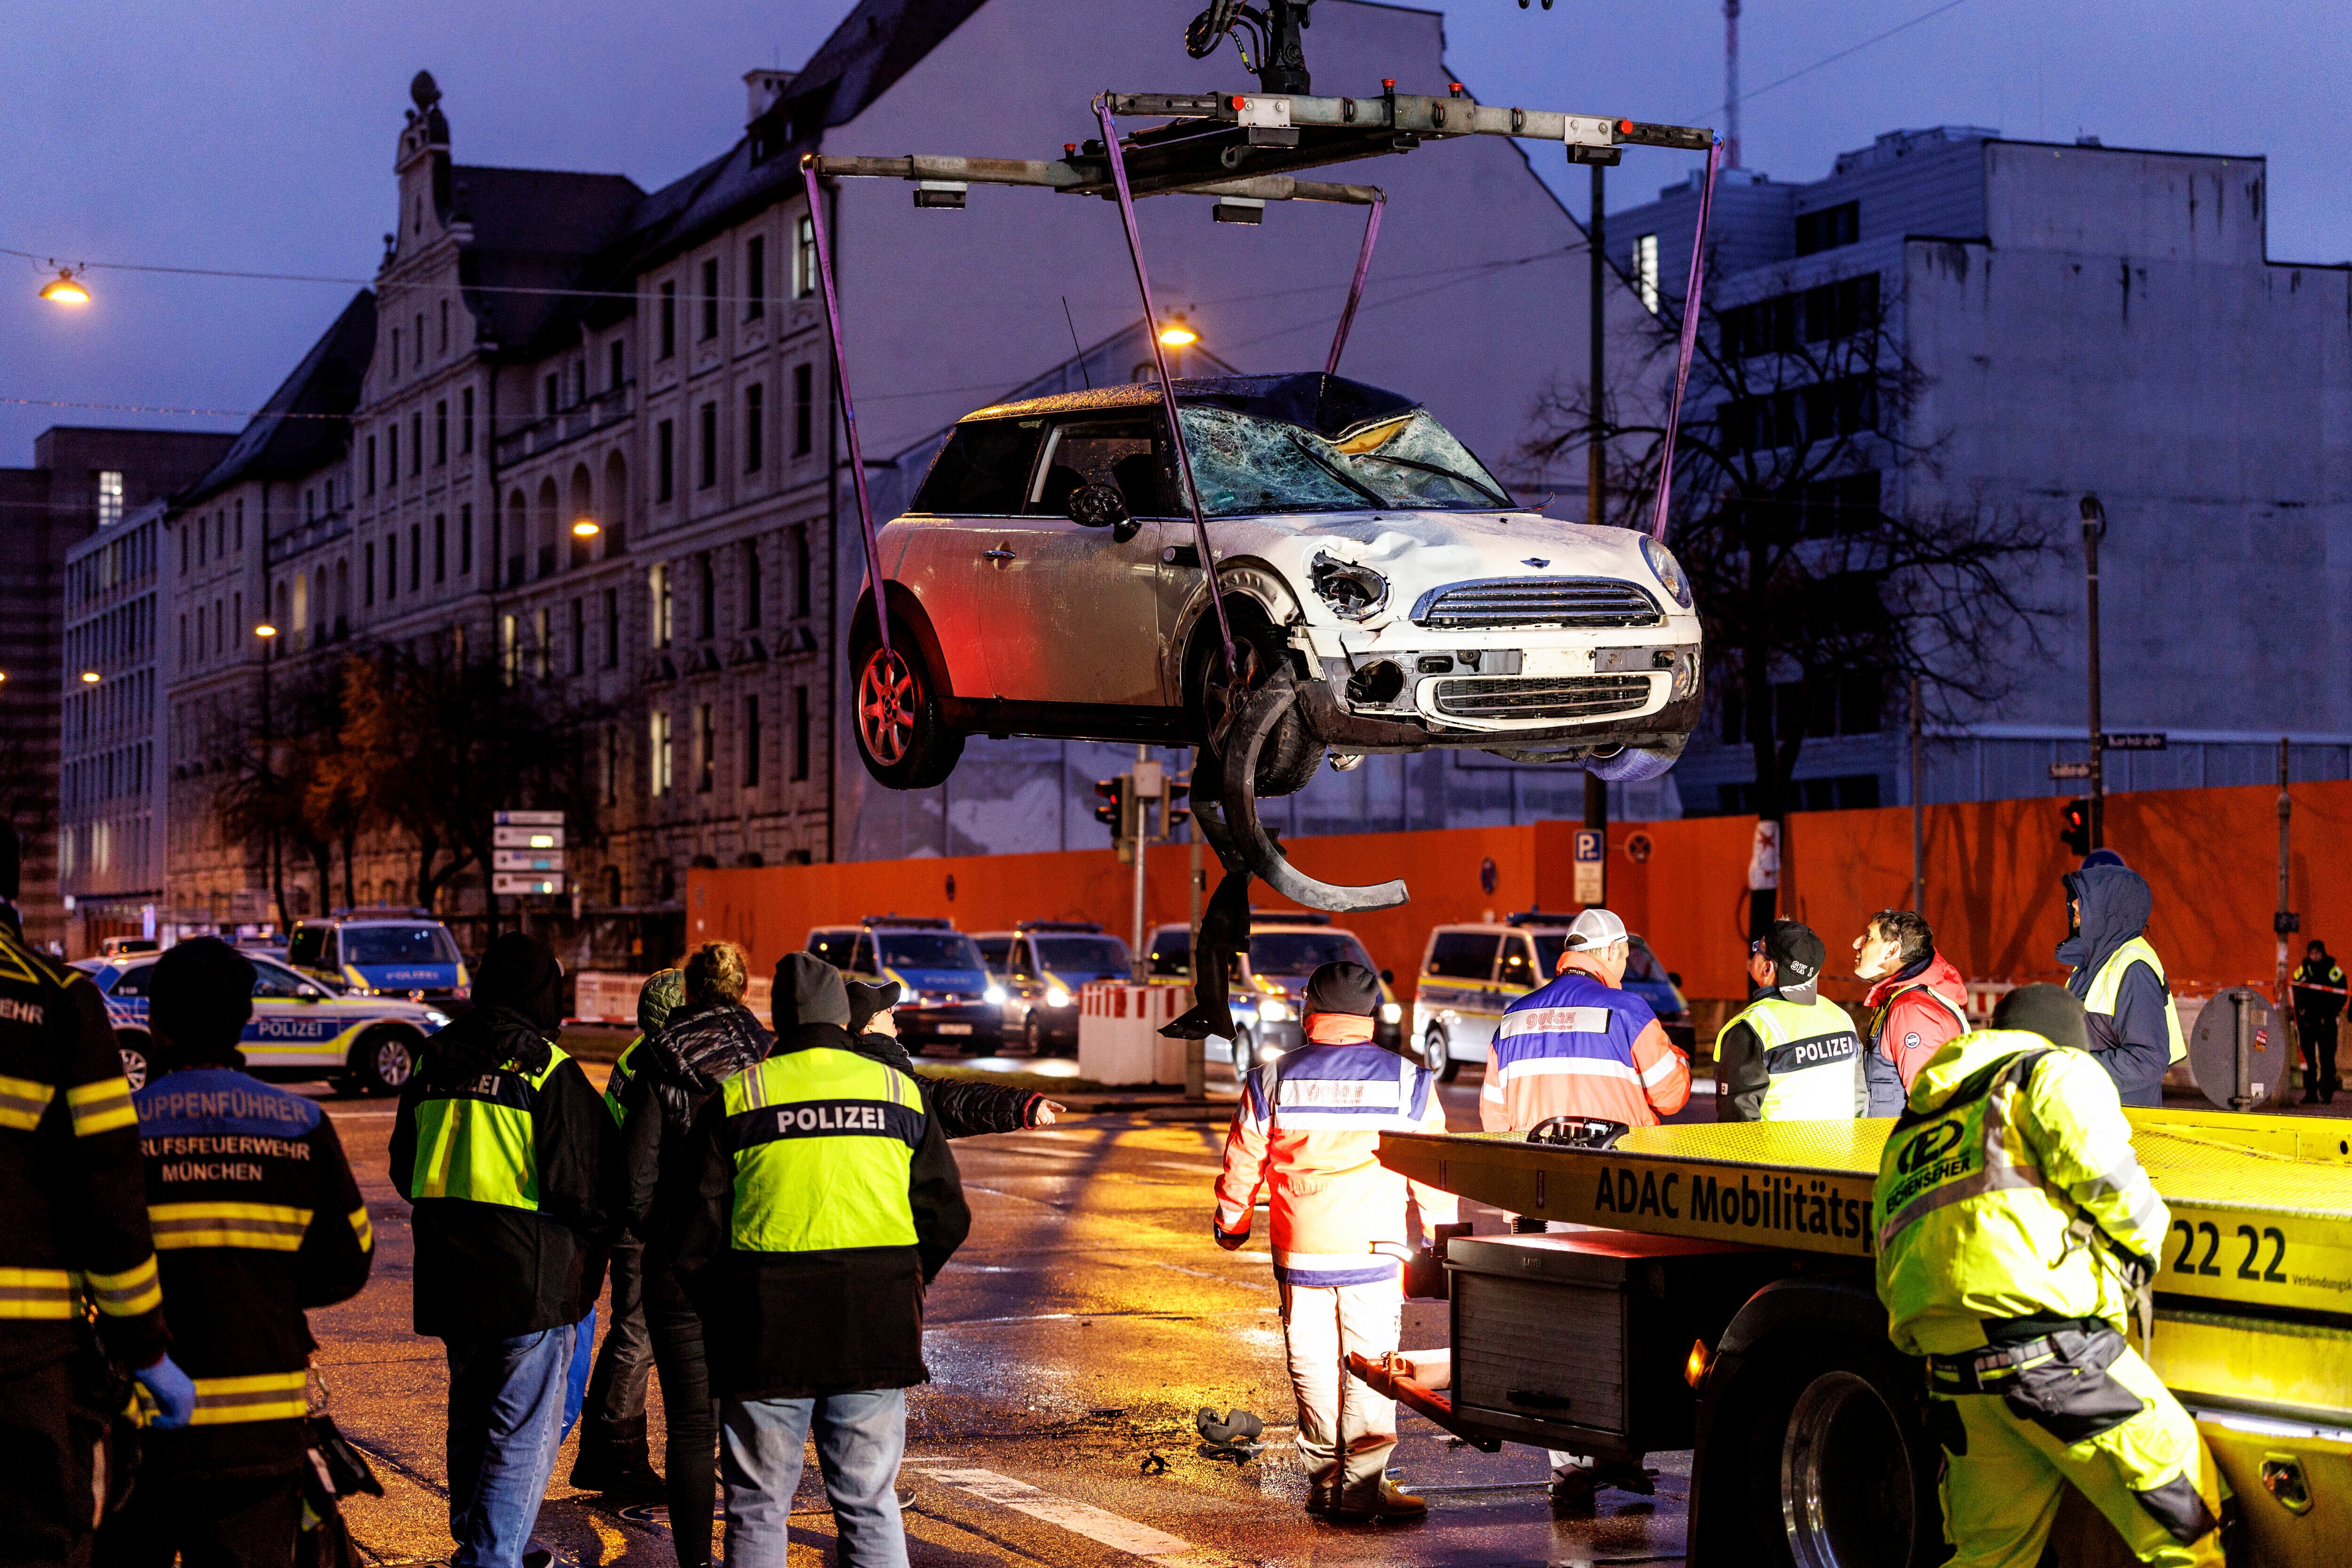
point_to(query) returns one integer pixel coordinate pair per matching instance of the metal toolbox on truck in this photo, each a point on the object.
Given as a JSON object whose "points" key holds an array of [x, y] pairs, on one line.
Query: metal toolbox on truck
{"points": [[1579, 1339]]}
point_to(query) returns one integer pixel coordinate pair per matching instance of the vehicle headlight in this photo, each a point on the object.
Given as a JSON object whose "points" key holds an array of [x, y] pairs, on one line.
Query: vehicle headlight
{"points": [[1273, 1011], [993, 996], [1669, 569], [1390, 1012], [1685, 672], [435, 1017], [1057, 997], [1353, 591]]}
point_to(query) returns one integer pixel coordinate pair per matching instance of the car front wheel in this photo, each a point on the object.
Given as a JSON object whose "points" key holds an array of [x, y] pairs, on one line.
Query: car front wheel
{"points": [[134, 1049], [900, 736], [1034, 1034], [1437, 1054], [384, 1061]]}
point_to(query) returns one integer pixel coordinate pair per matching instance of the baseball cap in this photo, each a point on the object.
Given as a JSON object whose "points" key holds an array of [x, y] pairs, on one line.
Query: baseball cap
{"points": [[1593, 929], [1795, 951]]}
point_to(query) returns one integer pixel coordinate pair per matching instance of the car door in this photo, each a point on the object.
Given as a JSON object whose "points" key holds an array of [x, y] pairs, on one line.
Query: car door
{"points": [[978, 483], [1457, 987], [1072, 614], [294, 1024]]}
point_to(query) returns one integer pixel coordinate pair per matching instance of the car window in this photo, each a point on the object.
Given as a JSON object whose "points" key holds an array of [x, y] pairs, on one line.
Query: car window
{"points": [[1303, 952], [1463, 955], [309, 947], [1245, 464], [1549, 945], [1083, 954], [396, 945], [861, 960], [928, 949], [1125, 454], [995, 949], [1518, 961], [833, 946], [1024, 963], [1171, 955], [984, 470], [127, 981], [271, 980]]}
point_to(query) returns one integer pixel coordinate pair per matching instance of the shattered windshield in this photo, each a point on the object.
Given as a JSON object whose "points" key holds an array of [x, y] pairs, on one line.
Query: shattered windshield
{"points": [[1246, 465]]}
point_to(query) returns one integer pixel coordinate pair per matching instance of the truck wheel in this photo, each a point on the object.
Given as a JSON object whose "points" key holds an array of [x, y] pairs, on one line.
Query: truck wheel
{"points": [[1437, 1054], [1829, 1463], [134, 1049], [384, 1061]]}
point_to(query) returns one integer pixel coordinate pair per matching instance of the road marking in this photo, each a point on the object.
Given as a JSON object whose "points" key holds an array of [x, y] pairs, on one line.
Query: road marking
{"points": [[1098, 1525], [1193, 1166]]}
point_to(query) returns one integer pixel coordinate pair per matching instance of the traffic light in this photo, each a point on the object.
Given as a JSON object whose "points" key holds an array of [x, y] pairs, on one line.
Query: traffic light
{"points": [[2077, 829], [1112, 812], [1172, 813]]}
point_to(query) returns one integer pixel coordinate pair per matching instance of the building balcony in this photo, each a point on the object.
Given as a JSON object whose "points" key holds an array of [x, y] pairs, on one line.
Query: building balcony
{"points": [[308, 535], [550, 431]]}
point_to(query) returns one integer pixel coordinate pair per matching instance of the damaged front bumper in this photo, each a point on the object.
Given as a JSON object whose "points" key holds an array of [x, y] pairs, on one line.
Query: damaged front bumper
{"points": [[1407, 723]]}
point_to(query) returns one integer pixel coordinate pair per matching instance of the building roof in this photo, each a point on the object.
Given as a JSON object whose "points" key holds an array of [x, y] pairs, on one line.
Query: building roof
{"points": [[532, 229], [290, 437]]}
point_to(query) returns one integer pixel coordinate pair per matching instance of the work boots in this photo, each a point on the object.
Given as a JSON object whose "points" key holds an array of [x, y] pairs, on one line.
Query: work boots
{"points": [[1376, 1502], [618, 1471]]}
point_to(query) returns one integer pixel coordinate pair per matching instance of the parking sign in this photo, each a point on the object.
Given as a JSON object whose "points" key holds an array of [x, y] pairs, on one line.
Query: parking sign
{"points": [[1591, 866]]}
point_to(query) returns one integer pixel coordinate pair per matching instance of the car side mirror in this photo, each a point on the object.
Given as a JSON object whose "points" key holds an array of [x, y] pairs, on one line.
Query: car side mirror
{"points": [[307, 992], [1101, 506], [1388, 976], [1674, 978]]}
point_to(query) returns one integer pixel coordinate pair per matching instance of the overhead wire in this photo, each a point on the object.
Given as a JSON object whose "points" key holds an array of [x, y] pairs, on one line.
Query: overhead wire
{"points": [[1850, 49]]}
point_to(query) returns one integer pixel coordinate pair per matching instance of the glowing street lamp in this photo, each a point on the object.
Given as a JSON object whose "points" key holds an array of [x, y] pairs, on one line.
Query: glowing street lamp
{"points": [[585, 528], [1177, 335], [89, 678], [65, 288], [265, 630]]}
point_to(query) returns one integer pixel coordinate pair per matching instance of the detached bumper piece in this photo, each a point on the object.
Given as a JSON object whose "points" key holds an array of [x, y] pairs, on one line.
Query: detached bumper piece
{"points": [[1246, 836]]}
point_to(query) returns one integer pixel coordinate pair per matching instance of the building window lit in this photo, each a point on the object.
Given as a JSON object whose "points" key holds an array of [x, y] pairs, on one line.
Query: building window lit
{"points": [[804, 258], [1645, 271], [706, 749], [110, 498], [659, 736]]}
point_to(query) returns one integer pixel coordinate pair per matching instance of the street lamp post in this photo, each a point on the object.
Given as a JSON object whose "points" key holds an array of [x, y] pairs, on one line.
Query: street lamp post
{"points": [[2095, 524], [267, 632]]}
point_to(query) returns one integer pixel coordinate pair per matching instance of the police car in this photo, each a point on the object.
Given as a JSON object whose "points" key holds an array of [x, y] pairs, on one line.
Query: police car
{"points": [[1040, 966], [382, 952], [1469, 973], [1284, 951], [944, 990], [302, 1027]]}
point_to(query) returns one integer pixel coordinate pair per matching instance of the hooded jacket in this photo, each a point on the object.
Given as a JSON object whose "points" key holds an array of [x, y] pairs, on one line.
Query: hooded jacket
{"points": [[1912, 1013], [491, 1267], [2133, 1041], [678, 1070], [805, 1324], [964, 1107]]}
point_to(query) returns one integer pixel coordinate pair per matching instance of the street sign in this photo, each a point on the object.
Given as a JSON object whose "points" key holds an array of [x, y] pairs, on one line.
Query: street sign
{"points": [[526, 837], [526, 819], [2134, 741], [1638, 848], [525, 860], [1591, 866], [524, 883], [2070, 770]]}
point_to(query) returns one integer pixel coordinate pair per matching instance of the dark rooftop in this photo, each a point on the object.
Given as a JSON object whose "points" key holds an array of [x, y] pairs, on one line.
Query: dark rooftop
{"points": [[286, 439]]}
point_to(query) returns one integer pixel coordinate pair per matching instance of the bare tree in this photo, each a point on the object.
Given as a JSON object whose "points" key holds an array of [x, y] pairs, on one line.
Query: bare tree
{"points": [[1795, 515]]}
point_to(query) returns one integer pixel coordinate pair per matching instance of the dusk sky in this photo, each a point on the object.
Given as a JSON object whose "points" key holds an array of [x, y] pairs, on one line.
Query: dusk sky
{"points": [[249, 135]]}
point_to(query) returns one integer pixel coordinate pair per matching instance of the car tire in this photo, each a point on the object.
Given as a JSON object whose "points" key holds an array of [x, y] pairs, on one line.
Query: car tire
{"points": [[1437, 1054], [895, 714], [136, 1057], [1033, 1035], [1287, 760], [1634, 764], [1244, 1052], [384, 1061]]}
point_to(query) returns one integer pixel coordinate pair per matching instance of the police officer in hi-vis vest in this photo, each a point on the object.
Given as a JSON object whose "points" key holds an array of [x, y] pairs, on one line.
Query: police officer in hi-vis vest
{"points": [[2134, 1031], [1789, 1055], [499, 1145]]}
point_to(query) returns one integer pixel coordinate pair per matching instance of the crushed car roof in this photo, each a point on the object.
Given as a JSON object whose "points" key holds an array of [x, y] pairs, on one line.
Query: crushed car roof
{"points": [[1328, 405]]}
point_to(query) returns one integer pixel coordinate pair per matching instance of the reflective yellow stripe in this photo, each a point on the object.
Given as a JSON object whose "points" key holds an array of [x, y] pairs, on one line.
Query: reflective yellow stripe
{"points": [[269, 1396], [102, 1106], [23, 1102], [270, 1227], [362, 1229], [126, 1295], [35, 1293]]}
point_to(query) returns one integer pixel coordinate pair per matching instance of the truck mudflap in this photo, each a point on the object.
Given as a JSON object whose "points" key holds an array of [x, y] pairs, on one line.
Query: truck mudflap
{"points": [[1394, 1377]]}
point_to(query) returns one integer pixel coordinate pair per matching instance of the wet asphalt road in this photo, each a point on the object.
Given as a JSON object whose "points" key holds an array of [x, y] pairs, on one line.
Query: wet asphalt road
{"points": [[1070, 1339]]}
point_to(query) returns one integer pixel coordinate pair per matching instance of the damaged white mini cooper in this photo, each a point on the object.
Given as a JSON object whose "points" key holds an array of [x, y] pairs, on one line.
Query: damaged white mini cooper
{"points": [[1046, 581]]}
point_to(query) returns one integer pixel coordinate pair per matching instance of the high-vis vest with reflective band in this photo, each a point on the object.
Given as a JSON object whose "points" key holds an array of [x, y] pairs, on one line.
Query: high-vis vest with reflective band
{"points": [[624, 1068], [823, 1142], [1812, 1053], [1981, 1202], [475, 1140], [2110, 979]]}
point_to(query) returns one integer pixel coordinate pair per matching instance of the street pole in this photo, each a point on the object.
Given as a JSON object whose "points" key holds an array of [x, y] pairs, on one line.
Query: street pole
{"points": [[1596, 467], [1919, 810], [1140, 814], [1196, 1052], [2095, 523], [2285, 924]]}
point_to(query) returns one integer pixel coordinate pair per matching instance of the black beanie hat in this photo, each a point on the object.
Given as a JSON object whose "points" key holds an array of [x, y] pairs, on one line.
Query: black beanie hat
{"points": [[2050, 1011], [868, 1000], [1343, 987], [1795, 951], [519, 974], [199, 997], [11, 871]]}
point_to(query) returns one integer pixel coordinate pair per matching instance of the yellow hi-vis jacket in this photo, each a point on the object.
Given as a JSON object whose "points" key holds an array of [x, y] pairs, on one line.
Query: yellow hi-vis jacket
{"points": [[1813, 1054], [823, 1144], [2101, 997], [2008, 1189]]}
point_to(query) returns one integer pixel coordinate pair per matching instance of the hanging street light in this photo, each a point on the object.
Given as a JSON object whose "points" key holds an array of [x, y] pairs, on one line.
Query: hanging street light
{"points": [[1176, 335], [65, 288], [584, 529], [265, 630], [89, 678]]}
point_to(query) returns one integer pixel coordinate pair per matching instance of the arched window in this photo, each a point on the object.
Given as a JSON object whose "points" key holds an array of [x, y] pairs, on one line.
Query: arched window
{"points": [[549, 501], [517, 538], [615, 513], [582, 510]]}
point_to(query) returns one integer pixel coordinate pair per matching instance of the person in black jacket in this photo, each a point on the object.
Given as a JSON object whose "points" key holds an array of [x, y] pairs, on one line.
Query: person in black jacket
{"points": [[73, 1230], [701, 1045], [963, 1106], [256, 1217], [826, 1201], [498, 1143]]}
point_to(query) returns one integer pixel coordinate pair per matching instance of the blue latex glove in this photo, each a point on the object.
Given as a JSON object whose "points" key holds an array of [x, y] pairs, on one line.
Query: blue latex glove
{"points": [[173, 1392]]}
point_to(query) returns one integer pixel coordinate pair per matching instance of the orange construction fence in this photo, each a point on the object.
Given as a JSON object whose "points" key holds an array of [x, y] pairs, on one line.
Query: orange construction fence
{"points": [[1991, 874]]}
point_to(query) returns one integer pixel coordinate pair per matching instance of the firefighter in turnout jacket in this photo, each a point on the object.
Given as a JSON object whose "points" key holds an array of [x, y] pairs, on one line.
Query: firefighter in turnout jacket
{"points": [[73, 1232], [1791, 1055], [2016, 1233], [256, 1217], [499, 1145], [1308, 1130]]}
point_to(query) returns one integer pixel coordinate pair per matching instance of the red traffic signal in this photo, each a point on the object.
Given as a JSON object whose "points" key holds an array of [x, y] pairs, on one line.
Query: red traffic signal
{"points": [[2076, 826], [1112, 812]]}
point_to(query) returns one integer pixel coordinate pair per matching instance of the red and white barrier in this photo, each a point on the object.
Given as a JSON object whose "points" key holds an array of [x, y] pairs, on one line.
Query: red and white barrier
{"points": [[1119, 1033]]}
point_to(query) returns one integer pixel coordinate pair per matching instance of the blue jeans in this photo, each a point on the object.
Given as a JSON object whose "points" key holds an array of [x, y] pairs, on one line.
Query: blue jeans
{"points": [[859, 1440], [506, 1421]]}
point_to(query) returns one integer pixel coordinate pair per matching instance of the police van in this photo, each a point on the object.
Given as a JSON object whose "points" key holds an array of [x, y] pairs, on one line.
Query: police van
{"points": [[301, 1028], [1469, 973], [945, 994], [1268, 981], [382, 952]]}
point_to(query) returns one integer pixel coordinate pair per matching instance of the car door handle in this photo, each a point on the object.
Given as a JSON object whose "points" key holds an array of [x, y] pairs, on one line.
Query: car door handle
{"points": [[999, 556]]}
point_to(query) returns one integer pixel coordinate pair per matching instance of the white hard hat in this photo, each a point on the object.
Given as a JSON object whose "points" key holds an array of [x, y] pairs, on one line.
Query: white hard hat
{"points": [[1595, 928]]}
